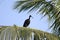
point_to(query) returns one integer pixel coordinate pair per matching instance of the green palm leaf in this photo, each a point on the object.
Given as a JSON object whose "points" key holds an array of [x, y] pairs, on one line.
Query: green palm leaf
{"points": [[17, 33]]}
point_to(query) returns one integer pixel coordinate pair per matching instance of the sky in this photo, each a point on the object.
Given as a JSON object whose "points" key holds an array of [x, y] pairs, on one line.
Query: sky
{"points": [[10, 16]]}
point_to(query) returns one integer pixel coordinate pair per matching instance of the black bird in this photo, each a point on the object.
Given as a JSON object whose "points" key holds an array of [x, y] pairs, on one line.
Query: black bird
{"points": [[27, 22]]}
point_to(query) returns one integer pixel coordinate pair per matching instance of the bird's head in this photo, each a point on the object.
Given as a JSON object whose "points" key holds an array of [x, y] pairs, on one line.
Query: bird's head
{"points": [[30, 16]]}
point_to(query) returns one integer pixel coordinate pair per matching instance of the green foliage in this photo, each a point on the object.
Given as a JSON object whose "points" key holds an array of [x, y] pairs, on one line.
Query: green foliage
{"points": [[16, 33]]}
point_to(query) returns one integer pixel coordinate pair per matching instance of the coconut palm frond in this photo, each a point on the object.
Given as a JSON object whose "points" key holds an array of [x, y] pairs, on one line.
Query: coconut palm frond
{"points": [[24, 5], [21, 33], [28, 4], [58, 4], [46, 7], [3, 28], [56, 23]]}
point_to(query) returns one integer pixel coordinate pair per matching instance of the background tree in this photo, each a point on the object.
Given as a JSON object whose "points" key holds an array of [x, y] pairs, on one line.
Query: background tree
{"points": [[50, 8]]}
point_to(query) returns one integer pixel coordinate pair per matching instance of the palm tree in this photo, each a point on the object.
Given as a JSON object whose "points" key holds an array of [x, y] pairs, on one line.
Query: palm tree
{"points": [[50, 8], [22, 33]]}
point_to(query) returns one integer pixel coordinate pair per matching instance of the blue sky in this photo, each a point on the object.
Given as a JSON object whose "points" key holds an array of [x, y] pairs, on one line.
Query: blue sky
{"points": [[9, 17]]}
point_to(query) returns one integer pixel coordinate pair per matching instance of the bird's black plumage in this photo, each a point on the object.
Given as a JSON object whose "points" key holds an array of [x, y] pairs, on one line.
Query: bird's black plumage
{"points": [[27, 22]]}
